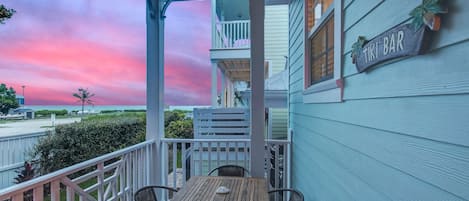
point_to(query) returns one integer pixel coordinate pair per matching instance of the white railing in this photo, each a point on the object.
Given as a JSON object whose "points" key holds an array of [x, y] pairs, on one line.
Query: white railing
{"points": [[199, 156], [231, 34], [219, 123], [13, 152], [114, 176]]}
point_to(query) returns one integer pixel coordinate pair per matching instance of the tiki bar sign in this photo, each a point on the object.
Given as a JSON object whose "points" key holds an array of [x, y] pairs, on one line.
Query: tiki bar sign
{"points": [[404, 40], [400, 41]]}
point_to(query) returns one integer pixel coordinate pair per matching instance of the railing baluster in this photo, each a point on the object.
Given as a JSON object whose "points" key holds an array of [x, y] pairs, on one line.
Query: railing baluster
{"points": [[55, 191], [218, 154], [18, 197], [277, 166], [209, 147], [245, 154], [200, 158], [268, 162], [192, 155], [101, 182], [227, 151], [134, 171], [128, 177], [183, 160], [147, 164], [175, 159], [38, 193], [236, 152], [70, 194]]}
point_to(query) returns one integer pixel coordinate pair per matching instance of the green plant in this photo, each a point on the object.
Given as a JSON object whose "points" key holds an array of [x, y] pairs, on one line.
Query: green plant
{"points": [[77, 142], [177, 125], [424, 13], [5, 13], [110, 111], [7, 99], [180, 129], [25, 174], [47, 113], [357, 48]]}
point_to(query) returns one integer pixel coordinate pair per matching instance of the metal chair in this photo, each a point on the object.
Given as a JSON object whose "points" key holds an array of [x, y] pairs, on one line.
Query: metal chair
{"points": [[147, 193], [294, 194], [230, 170]]}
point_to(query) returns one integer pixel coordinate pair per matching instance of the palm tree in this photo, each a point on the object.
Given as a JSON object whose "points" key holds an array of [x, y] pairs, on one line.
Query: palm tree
{"points": [[5, 13], [84, 96]]}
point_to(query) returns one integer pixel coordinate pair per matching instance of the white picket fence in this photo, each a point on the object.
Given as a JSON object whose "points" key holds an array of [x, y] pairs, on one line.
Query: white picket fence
{"points": [[221, 123], [14, 150]]}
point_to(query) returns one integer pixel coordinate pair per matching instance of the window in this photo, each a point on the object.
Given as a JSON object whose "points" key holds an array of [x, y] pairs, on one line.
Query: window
{"points": [[322, 54]]}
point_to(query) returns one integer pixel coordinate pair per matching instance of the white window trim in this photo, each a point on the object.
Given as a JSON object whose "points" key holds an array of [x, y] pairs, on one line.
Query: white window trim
{"points": [[328, 91]]}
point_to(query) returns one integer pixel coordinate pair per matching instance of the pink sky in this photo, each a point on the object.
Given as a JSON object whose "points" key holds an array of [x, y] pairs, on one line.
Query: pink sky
{"points": [[53, 47]]}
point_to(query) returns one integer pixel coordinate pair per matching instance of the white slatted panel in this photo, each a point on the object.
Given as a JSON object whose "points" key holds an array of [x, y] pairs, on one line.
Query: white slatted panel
{"points": [[221, 123]]}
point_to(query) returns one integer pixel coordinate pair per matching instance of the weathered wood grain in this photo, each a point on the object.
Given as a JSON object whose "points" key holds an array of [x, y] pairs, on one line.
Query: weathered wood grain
{"points": [[203, 188]]}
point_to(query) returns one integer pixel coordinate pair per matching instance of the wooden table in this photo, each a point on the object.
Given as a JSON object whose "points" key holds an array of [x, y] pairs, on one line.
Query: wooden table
{"points": [[202, 188]]}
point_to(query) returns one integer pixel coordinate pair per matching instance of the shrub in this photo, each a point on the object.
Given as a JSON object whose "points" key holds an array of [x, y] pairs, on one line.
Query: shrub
{"points": [[180, 129], [136, 110], [77, 142], [49, 112], [110, 111]]}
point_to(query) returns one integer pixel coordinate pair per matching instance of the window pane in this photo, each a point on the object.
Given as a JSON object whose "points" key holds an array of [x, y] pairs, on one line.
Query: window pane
{"points": [[318, 69], [319, 44], [315, 10], [330, 63], [322, 53], [326, 4]]}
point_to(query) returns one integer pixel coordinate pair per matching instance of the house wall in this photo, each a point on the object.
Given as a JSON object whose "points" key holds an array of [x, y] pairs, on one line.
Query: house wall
{"points": [[276, 48], [402, 131]]}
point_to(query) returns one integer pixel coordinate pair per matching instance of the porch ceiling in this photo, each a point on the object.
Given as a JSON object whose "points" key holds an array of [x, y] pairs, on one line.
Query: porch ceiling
{"points": [[239, 69]]}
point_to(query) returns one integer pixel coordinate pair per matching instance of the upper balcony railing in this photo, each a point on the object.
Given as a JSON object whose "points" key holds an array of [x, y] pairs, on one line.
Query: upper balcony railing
{"points": [[231, 34]]}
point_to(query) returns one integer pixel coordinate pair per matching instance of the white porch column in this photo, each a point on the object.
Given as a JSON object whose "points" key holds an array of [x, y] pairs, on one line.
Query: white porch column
{"points": [[256, 11], [155, 85], [223, 89], [214, 84]]}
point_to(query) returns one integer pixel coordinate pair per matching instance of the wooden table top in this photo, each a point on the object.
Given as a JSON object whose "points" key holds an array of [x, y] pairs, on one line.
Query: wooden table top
{"points": [[203, 188]]}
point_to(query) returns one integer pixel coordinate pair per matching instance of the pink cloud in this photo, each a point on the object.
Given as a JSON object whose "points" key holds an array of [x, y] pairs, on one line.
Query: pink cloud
{"points": [[54, 47]]}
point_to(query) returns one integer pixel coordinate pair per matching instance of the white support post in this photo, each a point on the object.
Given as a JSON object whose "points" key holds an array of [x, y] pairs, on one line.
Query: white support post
{"points": [[214, 84], [256, 11], [155, 82], [214, 21], [223, 89]]}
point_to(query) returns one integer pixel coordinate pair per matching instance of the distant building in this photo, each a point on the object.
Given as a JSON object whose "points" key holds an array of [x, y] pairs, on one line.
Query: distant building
{"points": [[20, 99], [26, 113]]}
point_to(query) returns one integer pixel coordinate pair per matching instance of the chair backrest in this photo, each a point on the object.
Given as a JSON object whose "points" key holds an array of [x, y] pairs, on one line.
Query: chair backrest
{"points": [[230, 170], [294, 194], [147, 193]]}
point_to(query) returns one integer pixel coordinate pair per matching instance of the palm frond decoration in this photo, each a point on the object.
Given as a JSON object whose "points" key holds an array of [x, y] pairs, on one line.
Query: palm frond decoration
{"points": [[426, 14], [357, 48]]}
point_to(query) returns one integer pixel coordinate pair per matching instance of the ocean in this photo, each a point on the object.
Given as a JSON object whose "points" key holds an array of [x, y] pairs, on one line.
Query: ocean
{"points": [[98, 108]]}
